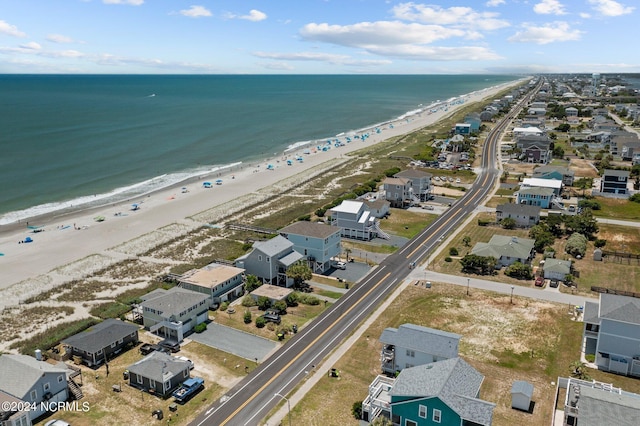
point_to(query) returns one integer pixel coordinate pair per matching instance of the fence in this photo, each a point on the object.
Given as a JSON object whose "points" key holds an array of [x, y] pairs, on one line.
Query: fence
{"points": [[621, 257], [612, 291]]}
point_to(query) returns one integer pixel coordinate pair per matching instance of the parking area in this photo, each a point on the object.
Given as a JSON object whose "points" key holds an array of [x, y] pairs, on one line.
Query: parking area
{"points": [[353, 272], [235, 342]]}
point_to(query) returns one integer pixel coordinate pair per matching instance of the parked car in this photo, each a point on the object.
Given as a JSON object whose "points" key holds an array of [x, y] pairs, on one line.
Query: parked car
{"points": [[56, 422], [184, 358], [539, 281], [427, 207], [147, 348], [172, 345], [554, 283], [340, 265], [272, 316]]}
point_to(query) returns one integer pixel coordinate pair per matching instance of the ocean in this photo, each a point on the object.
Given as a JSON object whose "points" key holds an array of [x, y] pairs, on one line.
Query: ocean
{"points": [[75, 141]]}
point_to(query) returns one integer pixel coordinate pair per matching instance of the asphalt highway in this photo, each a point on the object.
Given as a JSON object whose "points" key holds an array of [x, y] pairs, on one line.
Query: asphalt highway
{"points": [[255, 396]]}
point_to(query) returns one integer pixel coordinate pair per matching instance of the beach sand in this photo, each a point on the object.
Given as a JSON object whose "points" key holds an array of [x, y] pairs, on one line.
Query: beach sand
{"points": [[74, 245]]}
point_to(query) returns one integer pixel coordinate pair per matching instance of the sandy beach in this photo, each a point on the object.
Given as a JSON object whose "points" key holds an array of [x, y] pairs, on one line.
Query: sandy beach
{"points": [[75, 245]]}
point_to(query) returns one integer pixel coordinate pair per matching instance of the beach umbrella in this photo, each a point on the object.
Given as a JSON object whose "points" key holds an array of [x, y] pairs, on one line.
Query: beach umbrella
{"points": [[219, 182], [135, 206], [206, 184]]}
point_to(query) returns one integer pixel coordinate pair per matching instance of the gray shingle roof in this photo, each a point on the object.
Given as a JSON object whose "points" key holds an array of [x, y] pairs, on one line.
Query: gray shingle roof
{"points": [[598, 407], [519, 209], [291, 258], [412, 174], [620, 308], [422, 339], [520, 386], [174, 301], [622, 173], [558, 265], [273, 246], [503, 245], [156, 363], [534, 190], [310, 229], [20, 372], [591, 310], [101, 335], [453, 381]]}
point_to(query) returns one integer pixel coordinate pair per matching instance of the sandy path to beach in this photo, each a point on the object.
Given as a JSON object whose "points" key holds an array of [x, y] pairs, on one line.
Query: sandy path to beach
{"points": [[74, 246]]}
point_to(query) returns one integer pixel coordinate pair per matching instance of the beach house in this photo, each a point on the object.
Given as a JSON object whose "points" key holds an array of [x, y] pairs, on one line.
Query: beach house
{"points": [[612, 333], [317, 242], [269, 261], [33, 381], [557, 173], [506, 250], [614, 182], [410, 345], [420, 183], [174, 313], [354, 220], [221, 283], [398, 192], [440, 393], [556, 269], [102, 342], [158, 373], [534, 196], [524, 215], [13, 411]]}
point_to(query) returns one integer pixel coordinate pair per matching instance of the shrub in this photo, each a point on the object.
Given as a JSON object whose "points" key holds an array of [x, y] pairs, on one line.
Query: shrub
{"points": [[281, 307], [483, 222], [305, 218], [292, 299], [453, 251], [356, 410], [308, 299], [448, 259], [260, 322], [590, 357], [264, 303], [519, 270], [591, 204], [635, 198], [224, 306], [599, 243], [576, 245], [248, 301], [247, 317], [200, 327]]}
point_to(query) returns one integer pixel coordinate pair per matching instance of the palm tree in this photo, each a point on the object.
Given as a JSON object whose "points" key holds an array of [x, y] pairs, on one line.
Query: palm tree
{"points": [[348, 252], [578, 370]]}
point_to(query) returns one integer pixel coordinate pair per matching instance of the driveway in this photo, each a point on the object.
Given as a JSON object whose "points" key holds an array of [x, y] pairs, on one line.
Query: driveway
{"points": [[235, 342]]}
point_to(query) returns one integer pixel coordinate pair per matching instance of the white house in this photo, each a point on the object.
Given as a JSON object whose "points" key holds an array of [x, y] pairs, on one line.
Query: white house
{"points": [[355, 220]]}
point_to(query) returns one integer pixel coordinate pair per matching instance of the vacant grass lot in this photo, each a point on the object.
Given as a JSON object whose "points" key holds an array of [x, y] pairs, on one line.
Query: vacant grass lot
{"points": [[529, 340], [406, 223], [621, 209]]}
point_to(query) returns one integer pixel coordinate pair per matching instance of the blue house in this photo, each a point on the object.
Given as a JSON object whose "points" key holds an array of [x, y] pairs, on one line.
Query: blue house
{"points": [[474, 121], [462, 129], [535, 196], [317, 242], [441, 393]]}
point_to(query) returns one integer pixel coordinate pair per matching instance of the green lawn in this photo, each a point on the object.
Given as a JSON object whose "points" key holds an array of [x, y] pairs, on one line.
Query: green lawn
{"points": [[406, 223], [613, 208]]}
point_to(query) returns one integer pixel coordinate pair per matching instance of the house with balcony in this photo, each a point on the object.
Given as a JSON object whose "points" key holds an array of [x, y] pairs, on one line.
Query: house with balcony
{"points": [[614, 182], [398, 192], [612, 333], [355, 221], [592, 403], [269, 261], [221, 283], [317, 242], [563, 174], [174, 313], [524, 215], [378, 208], [473, 119], [33, 381], [463, 129], [535, 148], [506, 250], [445, 392], [533, 196], [13, 411], [410, 345], [555, 184], [420, 183], [102, 342]]}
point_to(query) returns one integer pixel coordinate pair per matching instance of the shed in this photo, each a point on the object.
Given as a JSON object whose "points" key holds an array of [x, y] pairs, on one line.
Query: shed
{"points": [[597, 255], [521, 393]]}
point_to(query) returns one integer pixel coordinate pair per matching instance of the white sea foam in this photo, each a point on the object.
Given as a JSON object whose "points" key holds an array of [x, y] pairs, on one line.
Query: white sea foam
{"points": [[117, 195]]}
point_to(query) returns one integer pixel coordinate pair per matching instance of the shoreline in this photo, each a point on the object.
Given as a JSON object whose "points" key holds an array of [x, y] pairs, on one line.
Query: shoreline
{"points": [[74, 245]]}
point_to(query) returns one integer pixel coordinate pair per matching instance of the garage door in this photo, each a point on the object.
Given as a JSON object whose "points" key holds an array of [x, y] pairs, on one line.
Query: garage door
{"points": [[203, 317]]}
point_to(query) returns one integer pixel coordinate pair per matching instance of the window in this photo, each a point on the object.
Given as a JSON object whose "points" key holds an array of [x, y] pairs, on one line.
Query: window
{"points": [[268, 259], [113, 345], [185, 373], [408, 422], [60, 378], [46, 387], [152, 383], [139, 378], [259, 258], [437, 415], [411, 353], [120, 341], [422, 411], [167, 385], [33, 395]]}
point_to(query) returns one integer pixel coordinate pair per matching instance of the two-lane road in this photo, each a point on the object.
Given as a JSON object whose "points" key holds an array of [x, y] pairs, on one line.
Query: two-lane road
{"points": [[252, 399]]}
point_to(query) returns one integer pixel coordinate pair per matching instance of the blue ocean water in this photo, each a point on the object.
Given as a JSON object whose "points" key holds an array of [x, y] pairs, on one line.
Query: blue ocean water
{"points": [[72, 140]]}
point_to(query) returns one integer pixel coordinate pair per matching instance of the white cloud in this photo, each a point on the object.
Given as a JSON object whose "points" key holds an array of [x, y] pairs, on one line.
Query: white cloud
{"points": [[254, 15], [196, 12], [321, 57], [129, 2], [545, 34], [12, 30], [584, 15], [461, 17], [32, 45], [59, 38], [549, 7], [610, 7], [494, 3]]}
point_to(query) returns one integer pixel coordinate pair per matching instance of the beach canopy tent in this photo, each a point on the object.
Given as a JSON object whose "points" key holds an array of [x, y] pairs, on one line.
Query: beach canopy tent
{"points": [[135, 206], [289, 162], [206, 184], [270, 167], [184, 190], [28, 240], [219, 182]]}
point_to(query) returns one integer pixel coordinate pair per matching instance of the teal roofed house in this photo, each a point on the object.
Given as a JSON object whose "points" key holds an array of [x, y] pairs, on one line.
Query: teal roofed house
{"points": [[440, 393]]}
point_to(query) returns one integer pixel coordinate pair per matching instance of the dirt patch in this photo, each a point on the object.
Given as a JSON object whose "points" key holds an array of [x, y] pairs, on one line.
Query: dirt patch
{"points": [[583, 168]]}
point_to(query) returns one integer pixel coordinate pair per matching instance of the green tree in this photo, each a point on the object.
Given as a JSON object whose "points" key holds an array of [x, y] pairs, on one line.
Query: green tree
{"points": [[260, 322], [247, 317], [579, 370], [299, 272], [541, 236], [576, 245], [584, 223], [252, 283], [508, 223], [280, 306], [293, 298], [264, 303], [466, 240], [558, 152], [519, 270], [356, 410], [483, 265]]}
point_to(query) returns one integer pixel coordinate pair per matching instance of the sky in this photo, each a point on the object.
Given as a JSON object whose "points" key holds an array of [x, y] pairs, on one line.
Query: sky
{"points": [[318, 36]]}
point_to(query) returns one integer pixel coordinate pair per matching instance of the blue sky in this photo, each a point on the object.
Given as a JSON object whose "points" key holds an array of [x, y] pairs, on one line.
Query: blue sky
{"points": [[318, 36]]}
